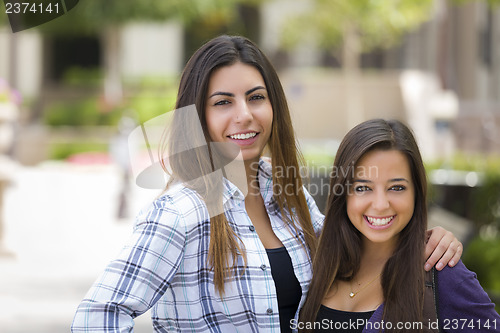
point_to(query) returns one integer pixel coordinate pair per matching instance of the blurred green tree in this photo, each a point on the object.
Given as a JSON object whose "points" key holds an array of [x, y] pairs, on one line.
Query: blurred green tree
{"points": [[359, 25], [354, 27], [349, 28], [106, 18]]}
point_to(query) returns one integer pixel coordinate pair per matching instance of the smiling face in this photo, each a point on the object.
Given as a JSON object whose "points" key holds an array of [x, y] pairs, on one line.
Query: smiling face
{"points": [[238, 109], [381, 201]]}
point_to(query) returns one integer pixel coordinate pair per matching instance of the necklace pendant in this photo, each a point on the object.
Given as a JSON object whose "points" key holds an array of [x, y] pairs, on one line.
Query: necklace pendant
{"points": [[351, 295]]}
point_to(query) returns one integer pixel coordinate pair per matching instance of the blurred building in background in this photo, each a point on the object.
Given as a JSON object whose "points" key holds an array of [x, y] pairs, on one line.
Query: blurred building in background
{"points": [[444, 78]]}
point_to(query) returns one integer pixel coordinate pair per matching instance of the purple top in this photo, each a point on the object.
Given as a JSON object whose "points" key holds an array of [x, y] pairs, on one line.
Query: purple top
{"points": [[463, 305]]}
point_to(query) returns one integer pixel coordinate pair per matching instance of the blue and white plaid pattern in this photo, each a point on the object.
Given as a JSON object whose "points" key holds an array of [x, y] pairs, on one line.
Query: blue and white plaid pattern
{"points": [[164, 267]]}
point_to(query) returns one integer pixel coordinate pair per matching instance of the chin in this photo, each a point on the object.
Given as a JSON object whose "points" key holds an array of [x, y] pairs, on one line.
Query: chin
{"points": [[249, 157]]}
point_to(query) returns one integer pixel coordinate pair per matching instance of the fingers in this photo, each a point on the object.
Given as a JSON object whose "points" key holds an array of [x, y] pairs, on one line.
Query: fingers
{"points": [[454, 260], [434, 236], [442, 249], [438, 253]]}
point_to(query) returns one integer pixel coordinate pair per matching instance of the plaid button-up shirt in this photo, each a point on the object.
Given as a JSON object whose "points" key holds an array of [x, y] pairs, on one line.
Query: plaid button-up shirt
{"points": [[164, 267]]}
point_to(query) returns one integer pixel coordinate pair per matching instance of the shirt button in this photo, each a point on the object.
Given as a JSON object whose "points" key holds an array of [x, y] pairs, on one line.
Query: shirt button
{"points": [[252, 228], [269, 311], [263, 267]]}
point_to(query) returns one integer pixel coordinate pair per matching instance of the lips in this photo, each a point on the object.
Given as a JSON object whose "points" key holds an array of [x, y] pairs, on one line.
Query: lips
{"points": [[379, 222], [244, 139], [243, 136]]}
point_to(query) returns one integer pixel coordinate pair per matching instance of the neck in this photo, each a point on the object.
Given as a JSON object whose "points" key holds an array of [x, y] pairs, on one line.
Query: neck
{"points": [[245, 181], [378, 251], [251, 170], [374, 256]]}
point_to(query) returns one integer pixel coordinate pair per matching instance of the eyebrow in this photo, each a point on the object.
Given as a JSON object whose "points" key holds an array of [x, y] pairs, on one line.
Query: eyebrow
{"points": [[393, 180], [248, 92]]}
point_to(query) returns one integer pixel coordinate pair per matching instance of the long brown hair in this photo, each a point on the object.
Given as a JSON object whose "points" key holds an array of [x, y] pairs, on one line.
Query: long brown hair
{"points": [[223, 51], [340, 245]]}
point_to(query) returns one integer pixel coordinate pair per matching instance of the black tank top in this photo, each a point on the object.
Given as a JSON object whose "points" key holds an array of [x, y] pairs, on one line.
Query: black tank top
{"points": [[287, 286], [331, 320]]}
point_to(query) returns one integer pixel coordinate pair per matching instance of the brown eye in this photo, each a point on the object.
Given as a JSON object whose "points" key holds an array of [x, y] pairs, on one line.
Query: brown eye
{"points": [[398, 188], [361, 189], [256, 97], [223, 102]]}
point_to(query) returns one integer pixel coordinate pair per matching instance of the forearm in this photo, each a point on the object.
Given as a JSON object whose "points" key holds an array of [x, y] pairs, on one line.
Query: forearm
{"points": [[92, 316], [133, 282]]}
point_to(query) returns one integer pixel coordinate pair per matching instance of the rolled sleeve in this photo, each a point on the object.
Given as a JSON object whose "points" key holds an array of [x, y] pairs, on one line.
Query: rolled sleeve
{"points": [[134, 281]]}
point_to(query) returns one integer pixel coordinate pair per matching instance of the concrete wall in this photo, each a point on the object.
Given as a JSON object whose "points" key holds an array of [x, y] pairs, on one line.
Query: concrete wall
{"points": [[21, 60], [317, 100], [153, 49]]}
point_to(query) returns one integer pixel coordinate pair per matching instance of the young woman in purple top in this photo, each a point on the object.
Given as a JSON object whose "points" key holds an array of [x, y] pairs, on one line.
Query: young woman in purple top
{"points": [[367, 274]]}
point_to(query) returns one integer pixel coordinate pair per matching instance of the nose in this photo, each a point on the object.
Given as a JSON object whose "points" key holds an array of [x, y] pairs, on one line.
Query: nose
{"points": [[243, 112], [380, 201]]}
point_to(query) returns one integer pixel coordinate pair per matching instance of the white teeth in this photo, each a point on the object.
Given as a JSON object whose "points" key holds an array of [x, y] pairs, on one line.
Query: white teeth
{"points": [[377, 221], [243, 136]]}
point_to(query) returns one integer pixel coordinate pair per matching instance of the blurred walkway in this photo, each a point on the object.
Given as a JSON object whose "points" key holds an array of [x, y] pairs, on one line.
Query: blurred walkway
{"points": [[62, 227]]}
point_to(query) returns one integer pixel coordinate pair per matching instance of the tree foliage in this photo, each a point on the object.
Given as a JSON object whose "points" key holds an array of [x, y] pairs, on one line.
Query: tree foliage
{"points": [[377, 23], [91, 16], [491, 3]]}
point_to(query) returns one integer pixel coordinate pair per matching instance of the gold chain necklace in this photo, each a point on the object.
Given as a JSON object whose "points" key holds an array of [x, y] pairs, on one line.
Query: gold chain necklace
{"points": [[352, 294]]}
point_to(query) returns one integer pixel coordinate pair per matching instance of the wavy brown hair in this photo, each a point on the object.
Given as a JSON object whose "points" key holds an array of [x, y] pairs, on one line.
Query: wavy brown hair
{"points": [[224, 246], [340, 244]]}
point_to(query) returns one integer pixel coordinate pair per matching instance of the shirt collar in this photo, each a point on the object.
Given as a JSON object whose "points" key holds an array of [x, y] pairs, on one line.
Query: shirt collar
{"points": [[232, 192], [266, 182]]}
